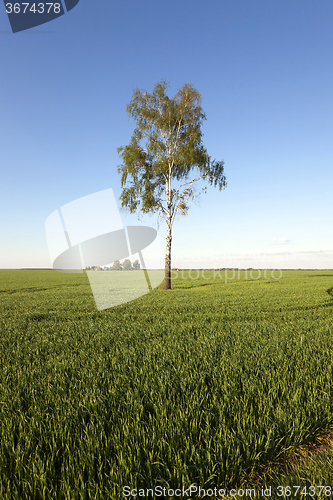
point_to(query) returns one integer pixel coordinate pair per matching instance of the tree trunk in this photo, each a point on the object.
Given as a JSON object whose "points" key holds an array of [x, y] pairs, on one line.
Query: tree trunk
{"points": [[167, 269]]}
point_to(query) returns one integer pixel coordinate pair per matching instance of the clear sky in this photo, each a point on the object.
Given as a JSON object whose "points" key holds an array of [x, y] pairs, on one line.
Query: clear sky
{"points": [[265, 72]]}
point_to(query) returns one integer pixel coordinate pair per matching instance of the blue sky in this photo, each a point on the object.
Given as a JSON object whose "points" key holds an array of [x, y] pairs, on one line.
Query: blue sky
{"points": [[265, 72]]}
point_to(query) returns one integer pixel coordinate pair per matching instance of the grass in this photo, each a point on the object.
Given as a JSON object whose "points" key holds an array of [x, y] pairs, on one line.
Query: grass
{"points": [[205, 384], [304, 472], [308, 467]]}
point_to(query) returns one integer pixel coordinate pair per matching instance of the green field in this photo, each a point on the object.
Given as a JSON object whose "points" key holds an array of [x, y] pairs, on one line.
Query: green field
{"points": [[199, 385]]}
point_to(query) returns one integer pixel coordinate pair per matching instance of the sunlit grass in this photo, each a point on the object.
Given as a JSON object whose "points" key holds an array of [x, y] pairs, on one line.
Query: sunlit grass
{"points": [[201, 384]]}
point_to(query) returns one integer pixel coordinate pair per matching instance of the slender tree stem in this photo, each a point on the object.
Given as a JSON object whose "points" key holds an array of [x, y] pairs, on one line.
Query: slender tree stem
{"points": [[167, 270]]}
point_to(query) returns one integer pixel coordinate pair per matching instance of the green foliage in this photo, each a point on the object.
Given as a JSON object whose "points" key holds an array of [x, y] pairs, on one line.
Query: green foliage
{"points": [[309, 473], [199, 385], [304, 477], [166, 145]]}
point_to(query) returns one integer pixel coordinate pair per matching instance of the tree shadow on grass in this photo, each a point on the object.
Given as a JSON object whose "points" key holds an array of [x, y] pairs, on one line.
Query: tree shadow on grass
{"points": [[320, 275], [195, 285]]}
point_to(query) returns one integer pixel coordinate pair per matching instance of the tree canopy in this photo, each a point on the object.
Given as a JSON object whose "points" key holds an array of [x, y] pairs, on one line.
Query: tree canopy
{"points": [[166, 149]]}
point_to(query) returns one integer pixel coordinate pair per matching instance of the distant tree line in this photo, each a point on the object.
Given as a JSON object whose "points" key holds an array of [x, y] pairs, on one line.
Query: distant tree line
{"points": [[117, 266]]}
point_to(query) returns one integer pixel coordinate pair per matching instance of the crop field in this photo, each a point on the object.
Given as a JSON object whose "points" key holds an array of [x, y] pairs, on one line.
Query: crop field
{"points": [[203, 384]]}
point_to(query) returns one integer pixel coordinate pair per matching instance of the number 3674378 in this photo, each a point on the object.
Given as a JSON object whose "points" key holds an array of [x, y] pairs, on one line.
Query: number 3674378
{"points": [[40, 9]]}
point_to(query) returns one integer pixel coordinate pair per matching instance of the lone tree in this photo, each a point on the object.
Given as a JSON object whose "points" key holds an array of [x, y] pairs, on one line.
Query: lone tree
{"points": [[166, 149]]}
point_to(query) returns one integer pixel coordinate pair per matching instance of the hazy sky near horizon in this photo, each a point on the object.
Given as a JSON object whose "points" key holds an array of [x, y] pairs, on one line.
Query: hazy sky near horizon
{"points": [[265, 72]]}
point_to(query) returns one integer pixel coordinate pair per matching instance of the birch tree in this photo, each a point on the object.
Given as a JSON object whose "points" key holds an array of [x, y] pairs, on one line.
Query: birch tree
{"points": [[166, 158]]}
